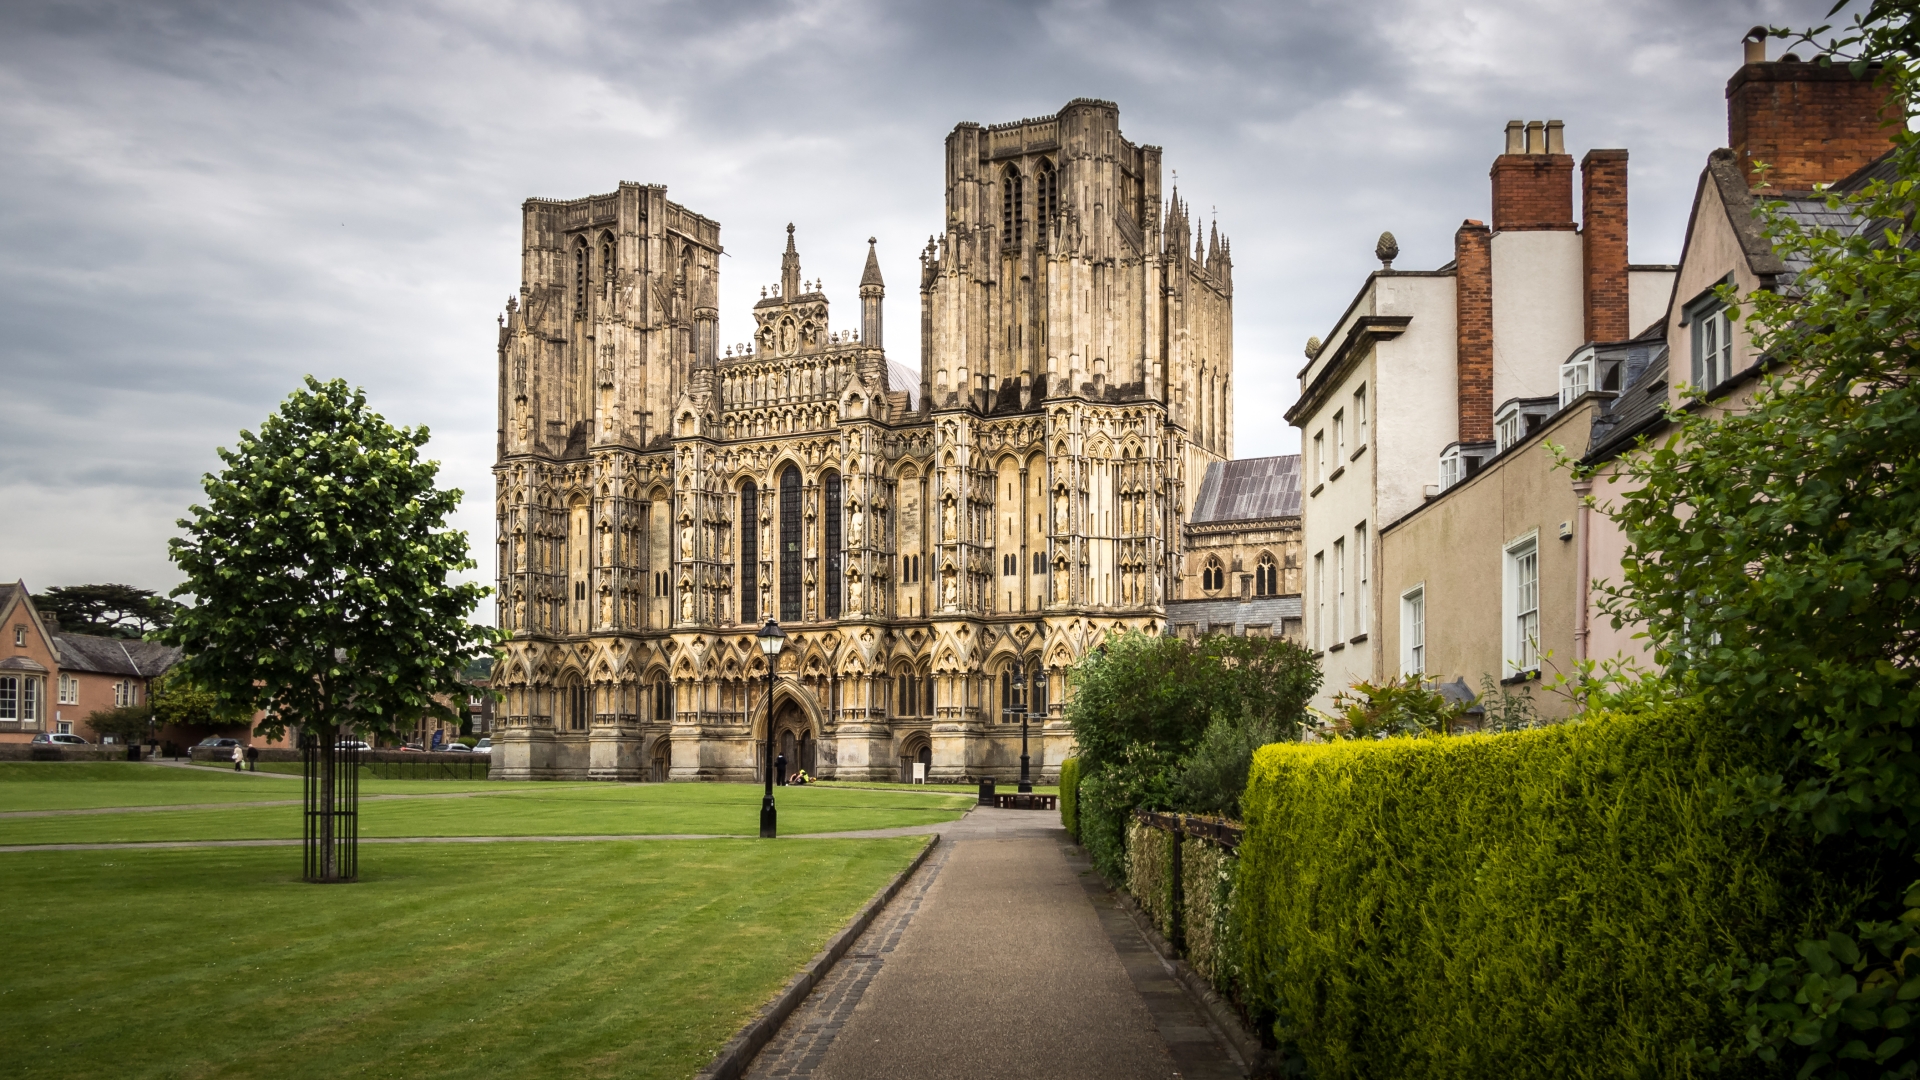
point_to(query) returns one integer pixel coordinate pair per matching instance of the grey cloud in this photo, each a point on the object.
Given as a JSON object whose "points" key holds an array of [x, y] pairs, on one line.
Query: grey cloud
{"points": [[206, 201]]}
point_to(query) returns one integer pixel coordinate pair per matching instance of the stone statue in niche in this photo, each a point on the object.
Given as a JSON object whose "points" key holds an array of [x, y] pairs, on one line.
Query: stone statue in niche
{"points": [[1060, 512], [606, 605], [952, 590], [519, 609], [686, 541], [856, 529], [686, 603], [856, 593], [1060, 582], [606, 544], [948, 521]]}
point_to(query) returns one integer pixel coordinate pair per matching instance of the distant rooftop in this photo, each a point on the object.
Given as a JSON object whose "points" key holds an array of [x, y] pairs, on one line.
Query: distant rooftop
{"points": [[1249, 489], [902, 377]]}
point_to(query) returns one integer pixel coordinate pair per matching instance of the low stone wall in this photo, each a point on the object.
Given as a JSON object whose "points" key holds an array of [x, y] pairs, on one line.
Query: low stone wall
{"points": [[224, 754]]}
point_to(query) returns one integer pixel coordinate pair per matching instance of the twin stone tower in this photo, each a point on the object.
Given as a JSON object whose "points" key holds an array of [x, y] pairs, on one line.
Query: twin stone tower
{"points": [[939, 545]]}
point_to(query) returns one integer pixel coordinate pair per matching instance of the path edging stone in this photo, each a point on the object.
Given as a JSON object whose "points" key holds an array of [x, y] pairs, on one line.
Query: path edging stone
{"points": [[732, 1060], [1255, 1057]]}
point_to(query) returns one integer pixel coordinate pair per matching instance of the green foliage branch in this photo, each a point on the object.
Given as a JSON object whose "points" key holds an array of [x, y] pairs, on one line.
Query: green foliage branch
{"points": [[121, 611], [320, 563]]}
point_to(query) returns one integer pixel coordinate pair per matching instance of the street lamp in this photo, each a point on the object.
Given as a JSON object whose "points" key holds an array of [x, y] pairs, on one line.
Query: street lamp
{"points": [[772, 640], [1019, 705]]}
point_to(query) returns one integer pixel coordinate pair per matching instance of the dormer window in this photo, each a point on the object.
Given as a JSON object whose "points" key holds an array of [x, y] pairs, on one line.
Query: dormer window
{"points": [[1576, 376], [1519, 418], [1712, 342], [1459, 461]]}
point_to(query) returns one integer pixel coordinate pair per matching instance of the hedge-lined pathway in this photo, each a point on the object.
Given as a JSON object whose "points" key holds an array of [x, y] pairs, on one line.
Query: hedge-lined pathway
{"points": [[1004, 956]]}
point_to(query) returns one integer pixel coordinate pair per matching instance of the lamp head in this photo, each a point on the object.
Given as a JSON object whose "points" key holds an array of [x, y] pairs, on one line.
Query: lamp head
{"points": [[772, 638]]}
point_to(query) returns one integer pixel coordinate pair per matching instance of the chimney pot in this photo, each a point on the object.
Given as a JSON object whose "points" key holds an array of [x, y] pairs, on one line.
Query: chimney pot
{"points": [[1516, 137], [1556, 137], [1756, 45], [1536, 137]]}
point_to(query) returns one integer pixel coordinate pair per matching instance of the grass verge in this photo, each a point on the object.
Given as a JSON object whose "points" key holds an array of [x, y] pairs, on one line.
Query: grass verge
{"points": [[513, 809], [618, 959]]}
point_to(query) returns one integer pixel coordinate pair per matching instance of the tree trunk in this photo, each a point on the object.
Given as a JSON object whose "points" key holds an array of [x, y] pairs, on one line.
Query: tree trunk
{"points": [[329, 750]]}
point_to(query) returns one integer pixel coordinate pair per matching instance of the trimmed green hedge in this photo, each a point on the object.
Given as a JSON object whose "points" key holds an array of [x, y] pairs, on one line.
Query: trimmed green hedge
{"points": [[1070, 796], [1528, 905]]}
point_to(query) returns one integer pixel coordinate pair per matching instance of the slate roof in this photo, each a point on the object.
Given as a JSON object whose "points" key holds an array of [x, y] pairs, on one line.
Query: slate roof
{"points": [[1232, 615], [901, 377], [7, 591], [114, 656], [1249, 489]]}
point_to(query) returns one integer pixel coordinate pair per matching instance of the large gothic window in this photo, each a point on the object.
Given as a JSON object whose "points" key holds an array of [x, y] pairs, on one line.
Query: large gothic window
{"points": [[831, 513], [574, 699], [790, 545], [1266, 576], [580, 278], [1046, 193], [749, 553], [1013, 204], [606, 258]]}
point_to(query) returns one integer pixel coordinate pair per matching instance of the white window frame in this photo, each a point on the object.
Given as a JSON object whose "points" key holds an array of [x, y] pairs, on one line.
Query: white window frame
{"points": [[9, 697], [1360, 418], [1712, 343], [1413, 630], [1362, 615], [1320, 600], [1339, 438], [32, 695], [69, 690], [1319, 458], [1509, 428], [1452, 469], [1339, 587], [1520, 605], [1576, 377]]}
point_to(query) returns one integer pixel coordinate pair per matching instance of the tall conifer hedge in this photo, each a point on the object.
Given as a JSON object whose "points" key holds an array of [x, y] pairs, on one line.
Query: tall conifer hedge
{"points": [[1526, 905]]}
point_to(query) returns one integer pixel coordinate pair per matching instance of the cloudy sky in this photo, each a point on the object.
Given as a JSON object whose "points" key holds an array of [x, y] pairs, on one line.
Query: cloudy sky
{"points": [[203, 202]]}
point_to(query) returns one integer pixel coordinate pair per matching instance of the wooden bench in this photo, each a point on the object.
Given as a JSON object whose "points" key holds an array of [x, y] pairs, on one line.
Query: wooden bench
{"points": [[1018, 801]]}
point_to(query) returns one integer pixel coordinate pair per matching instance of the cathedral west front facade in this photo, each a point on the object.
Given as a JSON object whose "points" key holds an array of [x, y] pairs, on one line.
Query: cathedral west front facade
{"points": [[939, 540]]}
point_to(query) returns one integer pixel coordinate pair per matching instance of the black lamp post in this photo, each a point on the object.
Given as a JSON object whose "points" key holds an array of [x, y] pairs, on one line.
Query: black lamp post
{"points": [[1020, 706], [772, 640]]}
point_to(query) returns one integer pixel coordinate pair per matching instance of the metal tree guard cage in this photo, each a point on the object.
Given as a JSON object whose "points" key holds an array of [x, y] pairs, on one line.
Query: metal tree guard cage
{"points": [[332, 797]]}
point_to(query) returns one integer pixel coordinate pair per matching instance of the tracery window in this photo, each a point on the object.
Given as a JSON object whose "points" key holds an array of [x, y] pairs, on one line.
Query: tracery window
{"points": [[606, 259], [574, 699], [1046, 193], [790, 545], [749, 553], [1213, 576], [1266, 577], [832, 513], [1013, 204], [580, 278]]}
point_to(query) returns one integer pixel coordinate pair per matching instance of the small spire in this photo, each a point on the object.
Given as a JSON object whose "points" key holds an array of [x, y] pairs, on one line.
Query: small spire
{"points": [[790, 267], [871, 275]]}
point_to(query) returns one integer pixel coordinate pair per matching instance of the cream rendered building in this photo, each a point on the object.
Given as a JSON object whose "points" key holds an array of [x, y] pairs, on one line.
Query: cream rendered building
{"points": [[921, 536], [1428, 373]]}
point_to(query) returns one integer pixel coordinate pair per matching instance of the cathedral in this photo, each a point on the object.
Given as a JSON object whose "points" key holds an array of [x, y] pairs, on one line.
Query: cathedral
{"points": [[939, 541]]}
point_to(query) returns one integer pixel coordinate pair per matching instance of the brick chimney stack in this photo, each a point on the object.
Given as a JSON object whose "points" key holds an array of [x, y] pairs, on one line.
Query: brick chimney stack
{"points": [[1603, 244], [1813, 123], [1533, 180], [1473, 355]]}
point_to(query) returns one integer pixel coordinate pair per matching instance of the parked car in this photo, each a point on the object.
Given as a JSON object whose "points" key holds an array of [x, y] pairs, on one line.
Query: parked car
{"points": [[216, 743], [46, 739], [456, 748], [353, 744], [484, 746]]}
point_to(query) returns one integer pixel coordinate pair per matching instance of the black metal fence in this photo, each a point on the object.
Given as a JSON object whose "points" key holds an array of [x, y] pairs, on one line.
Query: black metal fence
{"points": [[414, 769], [332, 796]]}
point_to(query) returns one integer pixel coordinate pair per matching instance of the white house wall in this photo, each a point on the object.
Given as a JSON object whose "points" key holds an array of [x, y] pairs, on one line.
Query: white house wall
{"points": [[1538, 316]]}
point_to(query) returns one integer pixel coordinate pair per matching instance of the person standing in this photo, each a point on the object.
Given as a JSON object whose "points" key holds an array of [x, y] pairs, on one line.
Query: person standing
{"points": [[780, 771], [238, 756], [253, 758]]}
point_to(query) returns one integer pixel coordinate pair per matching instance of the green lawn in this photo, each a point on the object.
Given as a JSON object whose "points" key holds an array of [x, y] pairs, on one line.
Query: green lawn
{"points": [[971, 791], [495, 808], [634, 959], [85, 785]]}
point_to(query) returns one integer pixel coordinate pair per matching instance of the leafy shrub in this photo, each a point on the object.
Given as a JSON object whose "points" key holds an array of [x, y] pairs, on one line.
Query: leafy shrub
{"points": [[1210, 877], [1214, 772], [1142, 703], [1534, 904], [1070, 796], [1150, 873], [1404, 705]]}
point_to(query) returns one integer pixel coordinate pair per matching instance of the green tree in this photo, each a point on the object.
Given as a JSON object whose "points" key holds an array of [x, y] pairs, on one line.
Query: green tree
{"points": [[128, 723], [120, 611], [320, 565], [178, 700], [1775, 562], [1141, 712]]}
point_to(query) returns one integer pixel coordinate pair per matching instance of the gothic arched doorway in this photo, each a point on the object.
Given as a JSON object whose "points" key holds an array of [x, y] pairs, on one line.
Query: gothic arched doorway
{"points": [[793, 738], [662, 760]]}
